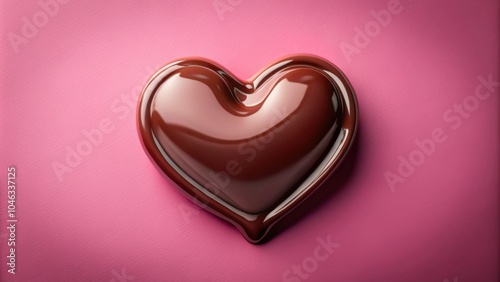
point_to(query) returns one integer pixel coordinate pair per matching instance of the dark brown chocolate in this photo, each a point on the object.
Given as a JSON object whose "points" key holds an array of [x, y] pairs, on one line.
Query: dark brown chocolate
{"points": [[248, 151]]}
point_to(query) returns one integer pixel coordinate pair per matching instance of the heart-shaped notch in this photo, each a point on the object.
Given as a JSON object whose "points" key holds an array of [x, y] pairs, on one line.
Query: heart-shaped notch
{"points": [[248, 151]]}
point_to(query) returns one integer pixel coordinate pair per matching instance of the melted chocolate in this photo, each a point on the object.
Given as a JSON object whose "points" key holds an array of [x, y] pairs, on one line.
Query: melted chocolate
{"points": [[248, 151]]}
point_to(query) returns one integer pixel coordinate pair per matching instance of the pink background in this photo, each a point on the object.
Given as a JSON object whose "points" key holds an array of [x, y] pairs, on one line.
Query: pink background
{"points": [[114, 218]]}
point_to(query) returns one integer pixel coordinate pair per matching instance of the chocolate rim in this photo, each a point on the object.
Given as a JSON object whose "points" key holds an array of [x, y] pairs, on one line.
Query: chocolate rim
{"points": [[254, 227]]}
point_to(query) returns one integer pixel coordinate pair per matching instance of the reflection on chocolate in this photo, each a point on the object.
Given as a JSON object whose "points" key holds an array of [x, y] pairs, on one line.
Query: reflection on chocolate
{"points": [[248, 151]]}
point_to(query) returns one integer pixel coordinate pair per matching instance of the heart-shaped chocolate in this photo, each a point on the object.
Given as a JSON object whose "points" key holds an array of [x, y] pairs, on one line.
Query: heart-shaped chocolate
{"points": [[248, 151]]}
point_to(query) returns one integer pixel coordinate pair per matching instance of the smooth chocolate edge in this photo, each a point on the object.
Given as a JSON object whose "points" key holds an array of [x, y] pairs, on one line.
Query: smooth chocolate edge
{"points": [[254, 230], [350, 119]]}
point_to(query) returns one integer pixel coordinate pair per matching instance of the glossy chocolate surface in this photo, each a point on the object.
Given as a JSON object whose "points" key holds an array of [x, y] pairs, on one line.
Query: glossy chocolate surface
{"points": [[248, 151]]}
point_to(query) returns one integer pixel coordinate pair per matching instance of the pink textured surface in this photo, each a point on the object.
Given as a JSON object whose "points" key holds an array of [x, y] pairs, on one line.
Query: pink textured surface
{"points": [[113, 217]]}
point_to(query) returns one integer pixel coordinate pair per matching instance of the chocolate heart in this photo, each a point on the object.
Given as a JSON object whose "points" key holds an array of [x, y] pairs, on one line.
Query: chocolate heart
{"points": [[248, 151]]}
